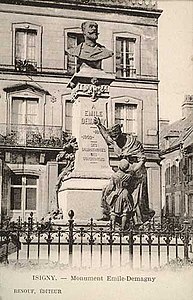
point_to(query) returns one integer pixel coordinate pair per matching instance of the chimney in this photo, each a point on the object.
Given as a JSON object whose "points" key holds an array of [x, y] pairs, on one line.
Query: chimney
{"points": [[187, 106], [163, 123]]}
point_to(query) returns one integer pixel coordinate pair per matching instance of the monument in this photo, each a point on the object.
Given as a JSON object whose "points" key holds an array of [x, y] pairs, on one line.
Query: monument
{"points": [[84, 180], [86, 170]]}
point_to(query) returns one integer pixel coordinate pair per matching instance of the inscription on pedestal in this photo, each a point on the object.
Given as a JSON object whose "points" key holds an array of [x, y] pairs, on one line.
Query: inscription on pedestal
{"points": [[93, 151]]}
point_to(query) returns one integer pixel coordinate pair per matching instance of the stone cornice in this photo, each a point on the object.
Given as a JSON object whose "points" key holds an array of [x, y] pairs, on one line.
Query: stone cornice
{"points": [[134, 7]]}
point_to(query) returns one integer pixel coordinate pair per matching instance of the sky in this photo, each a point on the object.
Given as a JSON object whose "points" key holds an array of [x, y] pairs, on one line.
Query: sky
{"points": [[175, 56]]}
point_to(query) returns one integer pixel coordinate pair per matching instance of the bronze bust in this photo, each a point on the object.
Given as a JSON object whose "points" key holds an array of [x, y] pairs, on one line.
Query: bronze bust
{"points": [[90, 52]]}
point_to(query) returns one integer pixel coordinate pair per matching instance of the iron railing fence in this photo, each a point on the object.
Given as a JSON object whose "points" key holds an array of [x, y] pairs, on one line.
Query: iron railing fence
{"points": [[31, 135], [95, 243]]}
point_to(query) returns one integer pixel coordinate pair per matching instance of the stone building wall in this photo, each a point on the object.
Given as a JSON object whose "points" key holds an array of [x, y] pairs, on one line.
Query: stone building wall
{"points": [[53, 21]]}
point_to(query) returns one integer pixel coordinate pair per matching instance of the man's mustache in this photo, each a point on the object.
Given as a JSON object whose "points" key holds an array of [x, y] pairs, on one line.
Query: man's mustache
{"points": [[95, 32]]}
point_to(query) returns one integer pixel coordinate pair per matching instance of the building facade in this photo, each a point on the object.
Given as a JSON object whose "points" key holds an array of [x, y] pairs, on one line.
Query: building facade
{"points": [[35, 103], [177, 165]]}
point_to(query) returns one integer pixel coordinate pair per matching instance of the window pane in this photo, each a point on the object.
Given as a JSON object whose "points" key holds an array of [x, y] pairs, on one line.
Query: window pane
{"points": [[31, 180], [119, 112], [20, 45], [15, 198], [31, 46], [73, 39], [68, 124], [68, 109], [31, 38], [68, 116], [32, 112], [125, 114], [16, 180], [129, 126], [24, 111], [17, 111], [30, 199], [130, 112]]}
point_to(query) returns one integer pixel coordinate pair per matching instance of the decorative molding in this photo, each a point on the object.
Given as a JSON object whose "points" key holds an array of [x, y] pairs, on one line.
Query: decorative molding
{"points": [[93, 90]]}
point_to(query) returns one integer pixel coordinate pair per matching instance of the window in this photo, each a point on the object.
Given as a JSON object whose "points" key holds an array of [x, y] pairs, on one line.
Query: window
{"points": [[27, 46], [24, 111], [25, 49], [73, 63], [173, 174], [68, 116], [126, 115], [24, 192], [125, 57], [167, 175]]}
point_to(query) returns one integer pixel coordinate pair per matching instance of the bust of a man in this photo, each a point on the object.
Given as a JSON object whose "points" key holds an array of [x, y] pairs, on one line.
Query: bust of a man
{"points": [[90, 52]]}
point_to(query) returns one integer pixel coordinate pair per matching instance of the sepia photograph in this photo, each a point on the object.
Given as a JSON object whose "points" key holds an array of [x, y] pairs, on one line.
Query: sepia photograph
{"points": [[96, 149]]}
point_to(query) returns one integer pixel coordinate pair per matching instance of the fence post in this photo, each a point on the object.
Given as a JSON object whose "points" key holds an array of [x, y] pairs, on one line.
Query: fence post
{"points": [[7, 241], [111, 242], [131, 241], [91, 241], [71, 240], [186, 239]]}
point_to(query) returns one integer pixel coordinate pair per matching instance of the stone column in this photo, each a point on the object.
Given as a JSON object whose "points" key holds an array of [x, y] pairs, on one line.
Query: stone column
{"points": [[82, 189]]}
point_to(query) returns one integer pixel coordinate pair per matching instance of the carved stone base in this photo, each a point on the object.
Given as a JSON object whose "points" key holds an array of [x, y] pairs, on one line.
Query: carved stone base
{"points": [[83, 196]]}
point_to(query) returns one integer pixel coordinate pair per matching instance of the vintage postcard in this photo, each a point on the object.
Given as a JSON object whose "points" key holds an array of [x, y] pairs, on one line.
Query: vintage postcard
{"points": [[96, 149]]}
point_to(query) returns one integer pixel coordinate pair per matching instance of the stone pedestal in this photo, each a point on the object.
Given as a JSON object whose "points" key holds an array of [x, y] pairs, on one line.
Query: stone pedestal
{"points": [[81, 191]]}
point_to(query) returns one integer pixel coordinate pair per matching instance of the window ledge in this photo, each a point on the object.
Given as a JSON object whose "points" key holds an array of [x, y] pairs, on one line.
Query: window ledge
{"points": [[137, 79], [49, 72]]}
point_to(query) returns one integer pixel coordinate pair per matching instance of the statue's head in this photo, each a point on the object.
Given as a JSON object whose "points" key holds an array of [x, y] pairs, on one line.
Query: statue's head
{"points": [[90, 30], [115, 131]]}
